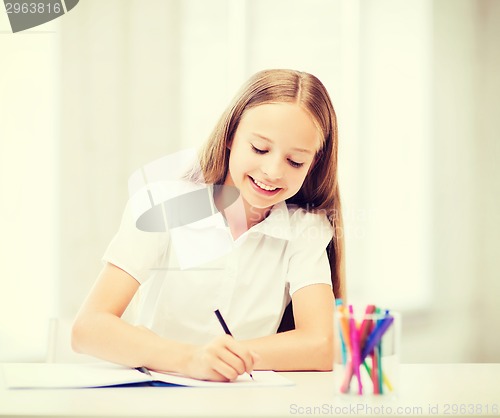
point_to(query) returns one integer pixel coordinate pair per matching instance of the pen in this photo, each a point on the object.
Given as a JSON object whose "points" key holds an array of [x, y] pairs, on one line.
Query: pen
{"points": [[225, 328], [143, 370]]}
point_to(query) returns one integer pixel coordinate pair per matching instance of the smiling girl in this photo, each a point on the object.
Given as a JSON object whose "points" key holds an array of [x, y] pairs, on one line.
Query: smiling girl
{"points": [[277, 145]]}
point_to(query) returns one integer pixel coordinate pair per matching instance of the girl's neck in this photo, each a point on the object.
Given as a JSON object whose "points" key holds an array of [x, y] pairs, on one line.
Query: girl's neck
{"points": [[240, 216]]}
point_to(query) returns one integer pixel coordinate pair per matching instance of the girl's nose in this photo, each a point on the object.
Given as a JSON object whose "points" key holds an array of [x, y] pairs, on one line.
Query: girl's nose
{"points": [[273, 169]]}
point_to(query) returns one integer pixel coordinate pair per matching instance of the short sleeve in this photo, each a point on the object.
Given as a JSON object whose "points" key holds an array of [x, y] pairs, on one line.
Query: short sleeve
{"points": [[308, 260], [134, 251]]}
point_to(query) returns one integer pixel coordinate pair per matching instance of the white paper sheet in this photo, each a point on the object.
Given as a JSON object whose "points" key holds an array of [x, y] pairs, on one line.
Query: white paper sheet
{"points": [[59, 375]]}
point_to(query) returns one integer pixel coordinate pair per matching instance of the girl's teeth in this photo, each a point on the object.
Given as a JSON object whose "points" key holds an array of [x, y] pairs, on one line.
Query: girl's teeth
{"points": [[263, 186]]}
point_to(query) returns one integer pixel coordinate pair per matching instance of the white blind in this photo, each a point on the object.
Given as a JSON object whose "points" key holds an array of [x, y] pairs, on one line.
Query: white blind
{"points": [[28, 190], [388, 195]]}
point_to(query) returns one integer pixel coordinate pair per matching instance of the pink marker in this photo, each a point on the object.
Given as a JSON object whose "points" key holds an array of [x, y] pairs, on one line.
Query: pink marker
{"points": [[355, 349]]}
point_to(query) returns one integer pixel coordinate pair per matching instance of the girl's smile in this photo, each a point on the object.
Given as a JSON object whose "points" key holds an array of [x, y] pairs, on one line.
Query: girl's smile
{"points": [[264, 188]]}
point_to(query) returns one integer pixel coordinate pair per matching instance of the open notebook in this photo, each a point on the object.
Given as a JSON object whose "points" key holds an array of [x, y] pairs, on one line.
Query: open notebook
{"points": [[93, 375]]}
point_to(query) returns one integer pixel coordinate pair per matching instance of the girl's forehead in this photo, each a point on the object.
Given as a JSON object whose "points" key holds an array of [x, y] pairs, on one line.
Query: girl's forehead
{"points": [[274, 110], [282, 120], [314, 117]]}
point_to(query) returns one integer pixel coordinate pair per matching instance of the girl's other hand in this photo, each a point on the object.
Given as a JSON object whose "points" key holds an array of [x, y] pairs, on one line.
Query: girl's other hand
{"points": [[223, 359]]}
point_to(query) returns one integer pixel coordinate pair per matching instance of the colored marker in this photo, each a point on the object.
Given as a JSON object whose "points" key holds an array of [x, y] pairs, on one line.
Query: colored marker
{"points": [[355, 349], [366, 325], [338, 302], [376, 335]]}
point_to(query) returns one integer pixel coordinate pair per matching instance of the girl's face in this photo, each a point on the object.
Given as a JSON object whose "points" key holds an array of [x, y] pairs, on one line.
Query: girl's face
{"points": [[271, 153]]}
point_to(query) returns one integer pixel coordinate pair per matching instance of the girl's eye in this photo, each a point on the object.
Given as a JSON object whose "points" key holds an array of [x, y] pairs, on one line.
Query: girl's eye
{"points": [[295, 164], [258, 151]]}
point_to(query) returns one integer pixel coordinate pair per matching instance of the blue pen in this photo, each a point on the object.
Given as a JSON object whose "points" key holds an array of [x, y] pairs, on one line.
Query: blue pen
{"points": [[226, 329], [143, 370], [376, 335]]}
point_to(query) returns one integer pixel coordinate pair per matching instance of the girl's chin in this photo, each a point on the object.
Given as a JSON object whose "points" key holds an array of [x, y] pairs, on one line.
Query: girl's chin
{"points": [[258, 204]]}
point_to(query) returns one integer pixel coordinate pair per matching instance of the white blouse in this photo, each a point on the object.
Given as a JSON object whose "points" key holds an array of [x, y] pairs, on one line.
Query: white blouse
{"points": [[251, 283]]}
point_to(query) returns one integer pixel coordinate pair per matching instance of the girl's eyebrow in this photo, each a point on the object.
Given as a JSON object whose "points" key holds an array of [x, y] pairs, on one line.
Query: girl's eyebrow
{"points": [[305, 151]]}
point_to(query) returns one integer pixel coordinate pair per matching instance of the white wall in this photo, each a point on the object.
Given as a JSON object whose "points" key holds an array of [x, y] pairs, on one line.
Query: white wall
{"points": [[120, 109]]}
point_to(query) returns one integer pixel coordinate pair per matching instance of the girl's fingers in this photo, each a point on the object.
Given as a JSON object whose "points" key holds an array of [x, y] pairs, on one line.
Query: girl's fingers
{"points": [[227, 356], [222, 359], [237, 355], [218, 374], [225, 370]]}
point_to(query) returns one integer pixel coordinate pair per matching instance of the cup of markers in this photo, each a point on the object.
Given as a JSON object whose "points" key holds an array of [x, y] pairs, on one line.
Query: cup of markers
{"points": [[367, 345]]}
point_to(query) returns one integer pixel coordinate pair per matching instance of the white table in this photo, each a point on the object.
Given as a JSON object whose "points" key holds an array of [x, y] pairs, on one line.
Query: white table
{"points": [[426, 390]]}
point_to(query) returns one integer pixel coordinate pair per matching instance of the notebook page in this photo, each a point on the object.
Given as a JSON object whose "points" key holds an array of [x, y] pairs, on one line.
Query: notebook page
{"points": [[62, 375], [260, 378]]}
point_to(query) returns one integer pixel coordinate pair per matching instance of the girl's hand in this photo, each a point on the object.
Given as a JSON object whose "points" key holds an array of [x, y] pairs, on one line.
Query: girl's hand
{"points": [[223, 359]]}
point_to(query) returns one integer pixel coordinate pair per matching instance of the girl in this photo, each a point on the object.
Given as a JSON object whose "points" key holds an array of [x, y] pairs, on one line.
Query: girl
{"points": [[277, 144]]}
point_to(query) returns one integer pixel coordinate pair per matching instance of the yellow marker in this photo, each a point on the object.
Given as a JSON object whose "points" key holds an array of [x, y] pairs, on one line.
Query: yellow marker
{"points": [[384, 377]]}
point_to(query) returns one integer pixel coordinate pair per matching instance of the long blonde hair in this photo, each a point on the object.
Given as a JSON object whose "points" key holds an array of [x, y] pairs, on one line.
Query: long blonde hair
{"points": [[320, 190]]}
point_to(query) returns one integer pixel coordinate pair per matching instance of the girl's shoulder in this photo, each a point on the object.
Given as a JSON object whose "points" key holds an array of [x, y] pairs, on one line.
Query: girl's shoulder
{"points": [[309, 222]]}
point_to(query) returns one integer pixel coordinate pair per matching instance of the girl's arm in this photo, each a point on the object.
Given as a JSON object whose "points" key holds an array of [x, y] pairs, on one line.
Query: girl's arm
{"points": [[310, 345], [99, 331]]}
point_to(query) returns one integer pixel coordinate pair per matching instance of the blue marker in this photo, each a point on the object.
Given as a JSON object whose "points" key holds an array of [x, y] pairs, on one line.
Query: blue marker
{"points": [[376, 336]]}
